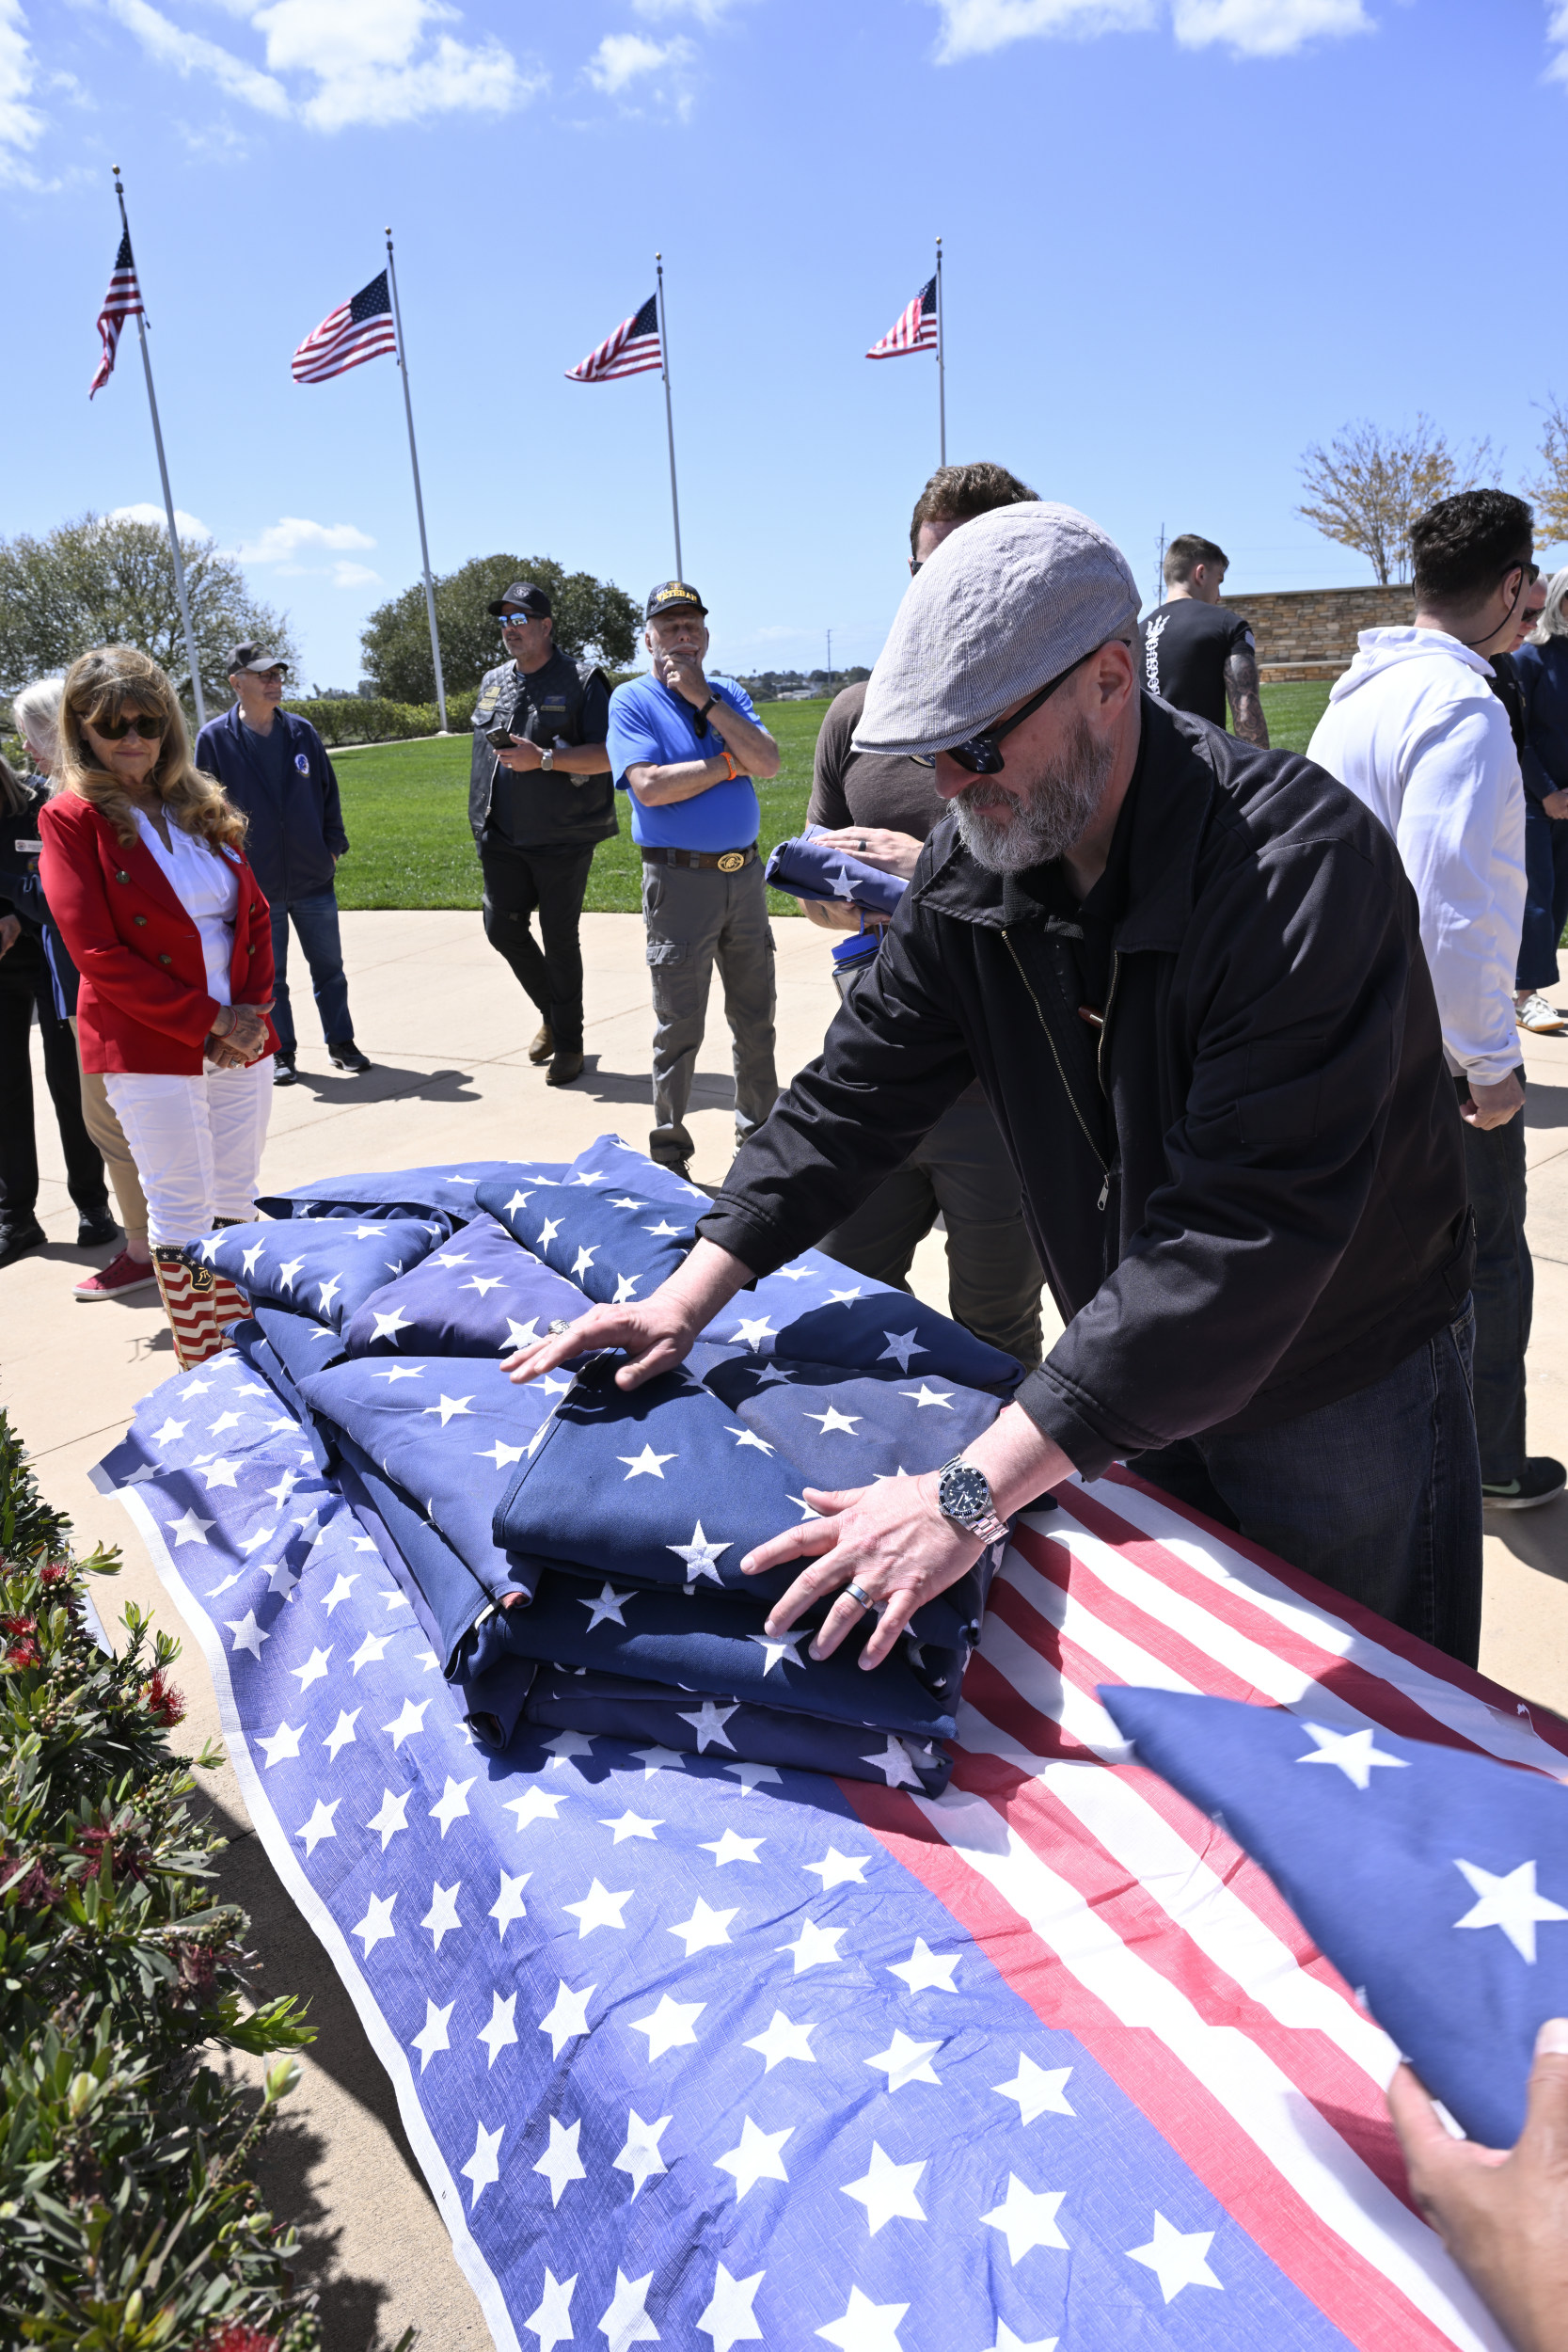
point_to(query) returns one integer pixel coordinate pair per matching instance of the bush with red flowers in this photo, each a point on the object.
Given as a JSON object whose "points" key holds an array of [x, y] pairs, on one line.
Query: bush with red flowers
{"points": [[127, 2214]]}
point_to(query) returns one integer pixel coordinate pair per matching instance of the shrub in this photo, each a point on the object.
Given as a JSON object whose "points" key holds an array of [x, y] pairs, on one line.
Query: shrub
{"points": [[127, 2216]]}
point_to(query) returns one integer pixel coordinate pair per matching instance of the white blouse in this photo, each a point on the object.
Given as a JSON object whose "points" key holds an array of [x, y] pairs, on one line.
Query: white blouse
{"points": [[208, 887]]}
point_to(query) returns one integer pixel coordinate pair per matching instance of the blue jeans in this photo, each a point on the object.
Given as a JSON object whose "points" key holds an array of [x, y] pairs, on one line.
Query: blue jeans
{"points": [[1378, 1494], [315, 920], [1545, 895]]}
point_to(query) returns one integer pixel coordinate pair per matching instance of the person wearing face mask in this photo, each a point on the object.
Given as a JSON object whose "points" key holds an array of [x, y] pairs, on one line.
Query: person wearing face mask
{"points": [[686, 748], [144, 871], [540, 801]]}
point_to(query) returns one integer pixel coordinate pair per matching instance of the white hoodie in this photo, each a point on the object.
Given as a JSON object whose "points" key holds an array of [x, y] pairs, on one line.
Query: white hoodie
{"points": [[1413, 729]]}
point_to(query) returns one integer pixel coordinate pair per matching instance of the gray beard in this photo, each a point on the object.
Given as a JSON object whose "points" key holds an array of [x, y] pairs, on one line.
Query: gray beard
{"points": [[1046, 818]]}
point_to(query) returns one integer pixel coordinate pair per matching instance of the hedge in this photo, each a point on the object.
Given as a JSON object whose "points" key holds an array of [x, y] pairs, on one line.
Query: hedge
{"points": [[127, 2214], [370, 719]]}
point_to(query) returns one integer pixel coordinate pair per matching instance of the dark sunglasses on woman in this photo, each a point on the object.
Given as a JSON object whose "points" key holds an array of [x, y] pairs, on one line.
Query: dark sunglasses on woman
{"points": [[116, 730]]}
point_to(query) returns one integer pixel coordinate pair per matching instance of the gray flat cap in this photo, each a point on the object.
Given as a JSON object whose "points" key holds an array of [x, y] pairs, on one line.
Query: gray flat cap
{"points": [[1006, 602]]}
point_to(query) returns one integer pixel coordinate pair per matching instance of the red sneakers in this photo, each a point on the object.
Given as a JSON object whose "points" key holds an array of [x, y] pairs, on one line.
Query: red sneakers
{"points": [[122, 1275]]}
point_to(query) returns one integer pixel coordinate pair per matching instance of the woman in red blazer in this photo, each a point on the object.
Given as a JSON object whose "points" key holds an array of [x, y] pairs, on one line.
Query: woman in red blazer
{"points": [[144, 872]]}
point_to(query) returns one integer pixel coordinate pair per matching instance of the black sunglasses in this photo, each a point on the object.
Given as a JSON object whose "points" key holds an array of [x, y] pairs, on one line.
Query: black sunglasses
{"points": [[116, 730], [980, 756]]}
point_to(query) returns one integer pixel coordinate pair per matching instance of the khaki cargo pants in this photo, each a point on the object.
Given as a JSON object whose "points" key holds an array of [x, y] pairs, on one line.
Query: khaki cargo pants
{"points": [[696, 917]]}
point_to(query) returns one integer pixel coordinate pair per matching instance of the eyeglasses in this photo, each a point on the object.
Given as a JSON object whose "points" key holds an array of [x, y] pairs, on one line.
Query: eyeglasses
{"points": [[116, 730], [520, 620], [980, 756]]}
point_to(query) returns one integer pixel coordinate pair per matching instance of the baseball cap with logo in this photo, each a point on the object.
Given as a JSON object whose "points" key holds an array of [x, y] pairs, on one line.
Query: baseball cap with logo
{"points": [[672, 595], [256, 658], [533, 600]]}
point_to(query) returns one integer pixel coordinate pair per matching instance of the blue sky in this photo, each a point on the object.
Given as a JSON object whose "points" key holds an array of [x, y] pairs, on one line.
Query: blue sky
{"points": [[1184, 238]]}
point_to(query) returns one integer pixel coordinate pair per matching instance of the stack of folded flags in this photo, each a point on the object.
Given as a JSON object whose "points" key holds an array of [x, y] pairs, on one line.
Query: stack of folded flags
{"points": [[573, 1550]]}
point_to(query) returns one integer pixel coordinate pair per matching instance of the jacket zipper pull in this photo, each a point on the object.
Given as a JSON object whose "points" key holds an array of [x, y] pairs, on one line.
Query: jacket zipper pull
{"points": [[1104, 1192]]}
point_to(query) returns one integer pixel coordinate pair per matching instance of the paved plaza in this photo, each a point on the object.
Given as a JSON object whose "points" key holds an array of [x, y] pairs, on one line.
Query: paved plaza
{"points": [[448, 1031]]}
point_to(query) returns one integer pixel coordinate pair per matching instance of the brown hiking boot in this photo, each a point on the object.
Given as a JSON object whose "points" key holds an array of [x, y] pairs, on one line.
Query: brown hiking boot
{"points": [[544, 1044], [566, 1066]]}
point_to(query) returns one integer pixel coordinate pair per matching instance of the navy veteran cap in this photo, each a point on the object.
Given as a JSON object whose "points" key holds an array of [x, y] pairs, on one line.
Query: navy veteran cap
{"points": [[672, 595], [533, 600], [256, 658]]}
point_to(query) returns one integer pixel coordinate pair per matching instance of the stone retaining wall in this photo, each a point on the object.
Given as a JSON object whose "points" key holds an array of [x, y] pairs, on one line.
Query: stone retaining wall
{"points": [[1311, 632]]}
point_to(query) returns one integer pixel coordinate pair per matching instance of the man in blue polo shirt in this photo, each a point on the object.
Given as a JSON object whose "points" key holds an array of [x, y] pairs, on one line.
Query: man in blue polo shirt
{"points": [[686, 748]]}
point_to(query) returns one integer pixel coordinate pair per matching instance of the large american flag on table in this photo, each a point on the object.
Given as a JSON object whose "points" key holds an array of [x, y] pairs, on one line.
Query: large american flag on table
{"points": [[358, 329], [708, 2053]]}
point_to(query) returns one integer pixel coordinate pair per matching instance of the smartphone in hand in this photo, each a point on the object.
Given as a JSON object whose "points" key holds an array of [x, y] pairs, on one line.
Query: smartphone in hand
{"points": [[499, 738]]}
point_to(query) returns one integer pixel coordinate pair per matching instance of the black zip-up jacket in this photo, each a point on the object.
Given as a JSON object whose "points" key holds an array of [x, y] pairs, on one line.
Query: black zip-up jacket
{"points": [[22, 895], [1247, 1190], [296, 837]]}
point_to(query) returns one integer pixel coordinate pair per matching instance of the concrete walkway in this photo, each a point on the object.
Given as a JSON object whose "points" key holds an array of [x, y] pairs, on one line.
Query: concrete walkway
{"points": [[448, 1030]]}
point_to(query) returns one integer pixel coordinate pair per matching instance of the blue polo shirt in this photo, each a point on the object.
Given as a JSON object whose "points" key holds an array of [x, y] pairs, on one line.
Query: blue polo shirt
{"points": [[647, 722]]}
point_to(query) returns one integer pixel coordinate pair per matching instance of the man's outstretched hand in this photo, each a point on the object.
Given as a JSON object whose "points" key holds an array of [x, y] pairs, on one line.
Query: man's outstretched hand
{"points": [[1501, 2212], [655, 1336]]}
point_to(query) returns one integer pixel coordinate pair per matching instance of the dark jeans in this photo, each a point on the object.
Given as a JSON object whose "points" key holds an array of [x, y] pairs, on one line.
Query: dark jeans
{"points": [[23, 986], [1504, 1293], [315, 921], [961, 1173], [1379, 1495], [1545, 897], [516, 884]]}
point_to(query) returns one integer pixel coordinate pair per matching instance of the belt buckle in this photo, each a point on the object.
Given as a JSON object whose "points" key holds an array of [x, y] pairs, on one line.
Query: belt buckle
{"points": [[732, 860]]}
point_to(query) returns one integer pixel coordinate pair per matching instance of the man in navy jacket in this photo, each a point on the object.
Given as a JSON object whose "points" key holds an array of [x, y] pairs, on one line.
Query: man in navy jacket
{"points": [[274, 765]]}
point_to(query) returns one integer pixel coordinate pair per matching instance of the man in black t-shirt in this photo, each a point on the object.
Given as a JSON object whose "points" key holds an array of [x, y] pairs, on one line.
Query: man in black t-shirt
{"points": [[1195, 651]]}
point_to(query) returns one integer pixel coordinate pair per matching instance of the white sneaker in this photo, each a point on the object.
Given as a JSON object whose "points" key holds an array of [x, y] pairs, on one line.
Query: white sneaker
{"points": [[1535, 1013]]}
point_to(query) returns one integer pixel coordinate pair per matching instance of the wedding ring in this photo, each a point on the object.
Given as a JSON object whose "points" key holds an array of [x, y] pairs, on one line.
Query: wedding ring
{"points": [[557, 1327], [861, 844], [858, 1594]]}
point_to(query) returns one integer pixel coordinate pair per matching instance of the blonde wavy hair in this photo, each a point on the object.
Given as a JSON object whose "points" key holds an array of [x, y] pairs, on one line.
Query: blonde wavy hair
{"points": [[106, 684]]}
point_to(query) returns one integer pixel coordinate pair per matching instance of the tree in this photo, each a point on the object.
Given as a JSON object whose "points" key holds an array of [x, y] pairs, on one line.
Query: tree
{"points": [[590, 616], [105, 582], [1548, 492], [1369, 485]]}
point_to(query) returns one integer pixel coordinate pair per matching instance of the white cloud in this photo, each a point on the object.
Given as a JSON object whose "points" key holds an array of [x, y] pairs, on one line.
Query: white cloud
{"points": [[353, 576], [21, 126], [347, 61], [291, 532], [1266, 28], [169, 44], [708, 12], [1557, 34], [1250, 29], [188, 526], [646, 77]]}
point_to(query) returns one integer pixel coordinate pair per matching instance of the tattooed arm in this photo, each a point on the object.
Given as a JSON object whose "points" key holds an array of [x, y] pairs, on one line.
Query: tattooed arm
{"points": [[1246, 704]]}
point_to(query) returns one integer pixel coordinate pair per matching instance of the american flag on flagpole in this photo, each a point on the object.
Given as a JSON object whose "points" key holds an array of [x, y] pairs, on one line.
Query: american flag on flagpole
{"points": [[356, 330], [634, 349], [915, 328], [121, 302]]}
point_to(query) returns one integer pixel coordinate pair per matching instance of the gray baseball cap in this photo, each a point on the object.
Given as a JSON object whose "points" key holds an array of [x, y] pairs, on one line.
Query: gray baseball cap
{"points": [[1006, 604]]}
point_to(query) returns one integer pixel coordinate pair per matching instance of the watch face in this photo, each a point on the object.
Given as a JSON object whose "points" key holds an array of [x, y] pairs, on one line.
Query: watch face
{"points": [[964, 1492]]}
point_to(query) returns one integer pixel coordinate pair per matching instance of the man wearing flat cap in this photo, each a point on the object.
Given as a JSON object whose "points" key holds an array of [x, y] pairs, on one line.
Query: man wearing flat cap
{"points": [[686, 748], [540, 801], [1188, 974], [274, 765]]}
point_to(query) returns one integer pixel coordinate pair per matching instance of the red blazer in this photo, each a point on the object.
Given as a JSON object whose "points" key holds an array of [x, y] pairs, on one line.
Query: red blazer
{"points": [[143, 1004]]}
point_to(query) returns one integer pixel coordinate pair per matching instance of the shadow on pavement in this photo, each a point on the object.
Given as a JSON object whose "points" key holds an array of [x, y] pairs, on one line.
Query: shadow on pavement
{"points": [[350, 2309], [385, 1083], [614, 1085], [1539, 1538]]}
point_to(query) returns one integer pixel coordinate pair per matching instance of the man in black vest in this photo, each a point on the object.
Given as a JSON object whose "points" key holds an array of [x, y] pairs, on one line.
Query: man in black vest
{"points": [[538, 804]]}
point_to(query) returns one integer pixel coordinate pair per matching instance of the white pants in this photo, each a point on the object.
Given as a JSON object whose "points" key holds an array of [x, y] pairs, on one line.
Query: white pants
{"points": [[197, 1143]]}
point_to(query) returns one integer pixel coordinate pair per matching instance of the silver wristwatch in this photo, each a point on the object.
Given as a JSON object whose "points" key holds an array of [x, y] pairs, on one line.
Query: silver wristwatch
{"points": [[964, 1496], [547, 758]]}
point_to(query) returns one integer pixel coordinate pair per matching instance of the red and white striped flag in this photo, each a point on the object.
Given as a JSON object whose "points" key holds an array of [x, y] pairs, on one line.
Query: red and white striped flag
{"points": [[915, 328], [121, 302], [356, 330], [634, 349]]}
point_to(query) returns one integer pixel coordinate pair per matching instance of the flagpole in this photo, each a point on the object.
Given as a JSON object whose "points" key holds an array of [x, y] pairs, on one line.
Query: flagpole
{"points": [[669, 415], [418, 495], [169, 496], [941, 368]]}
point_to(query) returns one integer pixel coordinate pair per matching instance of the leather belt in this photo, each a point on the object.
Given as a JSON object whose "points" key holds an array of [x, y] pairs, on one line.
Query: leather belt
{"points": [[711, 861]]}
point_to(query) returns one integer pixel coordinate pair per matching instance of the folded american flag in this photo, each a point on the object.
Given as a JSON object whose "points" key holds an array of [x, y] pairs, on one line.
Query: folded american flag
{"points": [[700, 2048], [806, 869]]}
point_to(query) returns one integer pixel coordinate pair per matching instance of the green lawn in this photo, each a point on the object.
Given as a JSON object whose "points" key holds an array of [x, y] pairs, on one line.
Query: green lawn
{"points": [[405, 807]]}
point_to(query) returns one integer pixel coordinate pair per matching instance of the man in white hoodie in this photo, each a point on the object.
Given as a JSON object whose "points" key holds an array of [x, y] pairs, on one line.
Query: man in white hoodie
{"points": [[1414, 730]]}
